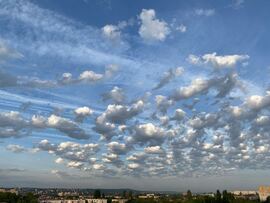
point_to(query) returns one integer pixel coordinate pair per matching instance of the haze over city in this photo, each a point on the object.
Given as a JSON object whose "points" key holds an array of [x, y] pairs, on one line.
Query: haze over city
{"points": [[148, 95]]}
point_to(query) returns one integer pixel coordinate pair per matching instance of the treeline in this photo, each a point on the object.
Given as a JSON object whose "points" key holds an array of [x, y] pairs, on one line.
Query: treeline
{"points": [[8, 197], [225, 197], [218, 197]]}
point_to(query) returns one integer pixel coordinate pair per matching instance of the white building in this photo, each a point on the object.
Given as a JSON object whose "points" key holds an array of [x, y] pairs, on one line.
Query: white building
{"points": [[96, 200], [11, 190], [119, 200], [147, 196], [264, 192], [62, 201], [243, 192]]}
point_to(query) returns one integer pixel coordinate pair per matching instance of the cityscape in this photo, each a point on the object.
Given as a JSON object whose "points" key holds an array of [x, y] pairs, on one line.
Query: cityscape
{"points": [[64, 195], [132, 101]]}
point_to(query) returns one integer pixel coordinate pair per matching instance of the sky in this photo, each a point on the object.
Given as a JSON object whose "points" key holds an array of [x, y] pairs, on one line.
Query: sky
{"points": [[147, 95]]}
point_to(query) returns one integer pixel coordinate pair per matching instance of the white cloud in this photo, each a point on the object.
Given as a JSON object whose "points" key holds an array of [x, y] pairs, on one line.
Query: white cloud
{"points": [[258, 102], [83, 111], [209, 138], [216, 61], [111, 32], [87, 76], [39, 121], [118, 148], [163, 103], [179, 114], [197, 85], [181, 28], [133, 166], [75, 164], [59, 160], [15, 148], [120, 113], [90, 76], [204, 12], [116, 95], [148, 133], [152, 29], [223, 61], [98, 166], [66, 126], [74, 152], [153, 150]]}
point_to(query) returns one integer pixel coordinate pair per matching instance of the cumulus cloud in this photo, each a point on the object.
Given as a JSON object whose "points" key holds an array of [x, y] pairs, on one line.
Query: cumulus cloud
{"points": [[168, 144], [148, 133], [133, 166], [218, 136], [116, 114], [13, 123], [163, 103], [104, 127], [15, 148], [179, 114], [216, 61], [118, 148], [154, 150], [258, 102], [116, 95], [111, 32], [90, 76], [75, 153], [224, 85], [75, 164], [112, 159], [87, 76], [59, 160], [12, 119], [197, 86], [66, 126], [152, 29], [120, 113], [114, 32], [82, 112]]}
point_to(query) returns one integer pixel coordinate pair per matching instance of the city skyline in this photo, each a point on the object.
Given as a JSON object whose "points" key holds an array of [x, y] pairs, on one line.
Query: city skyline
{"points": [[156, 95]]}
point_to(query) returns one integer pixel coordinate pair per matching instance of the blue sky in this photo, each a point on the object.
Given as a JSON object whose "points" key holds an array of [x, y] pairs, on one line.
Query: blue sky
{"points": [[117, 94]]}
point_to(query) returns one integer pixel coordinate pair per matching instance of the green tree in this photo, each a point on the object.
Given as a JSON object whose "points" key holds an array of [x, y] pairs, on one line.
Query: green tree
{"points": [[97, 194], [130, 195], [218, 197], [124, 195], [189, 195], [225, 196]]}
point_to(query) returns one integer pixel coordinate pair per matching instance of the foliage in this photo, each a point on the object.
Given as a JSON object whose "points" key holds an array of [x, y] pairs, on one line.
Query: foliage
{"points": [[13, 198], [97, 194]]}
